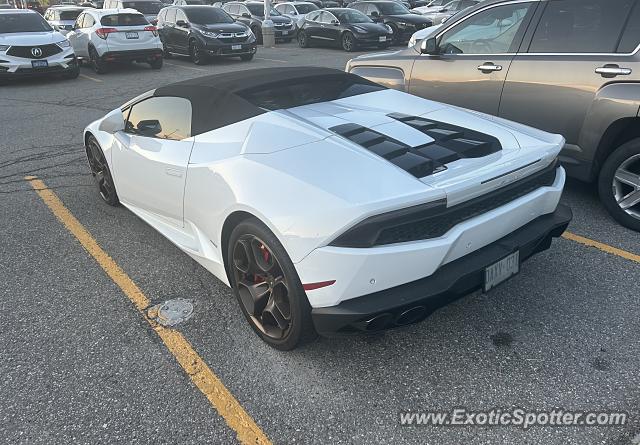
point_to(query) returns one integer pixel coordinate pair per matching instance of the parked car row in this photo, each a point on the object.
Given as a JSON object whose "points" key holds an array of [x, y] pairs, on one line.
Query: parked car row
{"points": [[570, 67]]}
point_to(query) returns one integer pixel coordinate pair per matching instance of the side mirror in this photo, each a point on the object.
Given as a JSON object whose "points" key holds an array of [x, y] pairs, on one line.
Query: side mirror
{"points": [[374, 14], [112, 122], [182, 24], [335, 22], [429, 46], [149, 128], [246, 16]]}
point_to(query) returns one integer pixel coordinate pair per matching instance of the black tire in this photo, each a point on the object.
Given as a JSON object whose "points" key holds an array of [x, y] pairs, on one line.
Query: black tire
{"points": [[348, 42], [257, 31], [100, 172], [246, 57], [72, 73], [98, 65], [303, 40], [196, 53], [280, 293], [611, 190], [395, 37], [167, 54], [156, 64]]}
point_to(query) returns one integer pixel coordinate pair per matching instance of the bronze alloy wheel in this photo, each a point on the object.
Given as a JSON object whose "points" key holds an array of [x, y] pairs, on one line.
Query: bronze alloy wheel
{"points": [[262, 286]]}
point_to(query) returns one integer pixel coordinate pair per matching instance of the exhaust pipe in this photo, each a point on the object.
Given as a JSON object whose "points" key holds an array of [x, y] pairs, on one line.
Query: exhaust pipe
{"points": [[378, 323], [412, 315]]}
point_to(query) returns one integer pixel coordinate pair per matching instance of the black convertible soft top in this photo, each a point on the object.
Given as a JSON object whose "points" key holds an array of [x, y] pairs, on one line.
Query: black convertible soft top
{"points": [[223, 99]]}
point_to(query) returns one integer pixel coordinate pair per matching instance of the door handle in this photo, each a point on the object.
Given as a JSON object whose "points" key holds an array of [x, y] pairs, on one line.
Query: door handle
{"points": [[613, 71], [489, 67], [173, 172]]}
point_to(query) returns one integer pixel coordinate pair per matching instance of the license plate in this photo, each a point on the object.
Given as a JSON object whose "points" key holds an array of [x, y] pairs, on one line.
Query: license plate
{"points": [[284, 33], [383, 39], [501, 271], [39, 63], [131, 35], [236, 47]]}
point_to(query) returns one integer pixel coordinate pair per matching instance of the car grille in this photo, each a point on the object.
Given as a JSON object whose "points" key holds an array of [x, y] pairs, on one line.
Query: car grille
{"points": [[25, 51], [230, 37], [282, 26], [439, 224]]}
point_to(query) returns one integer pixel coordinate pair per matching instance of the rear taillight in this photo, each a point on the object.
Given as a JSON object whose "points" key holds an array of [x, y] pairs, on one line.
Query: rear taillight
{"points": [[103, 33], [153, 29]]}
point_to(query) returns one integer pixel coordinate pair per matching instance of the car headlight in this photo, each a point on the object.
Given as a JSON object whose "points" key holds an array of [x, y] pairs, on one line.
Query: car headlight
{"points": [[401, 24], [64, 44], [210, 34], [412, 41], [3, 48], [388, 28], [360, 30], [250, 33]]}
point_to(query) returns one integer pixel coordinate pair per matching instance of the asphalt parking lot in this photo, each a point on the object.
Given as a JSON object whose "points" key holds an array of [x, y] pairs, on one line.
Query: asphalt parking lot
{"points": [[80, 364]]}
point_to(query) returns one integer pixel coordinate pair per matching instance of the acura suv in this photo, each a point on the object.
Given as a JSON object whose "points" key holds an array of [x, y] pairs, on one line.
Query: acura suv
{"points": [[565, 66], [29, 46]]}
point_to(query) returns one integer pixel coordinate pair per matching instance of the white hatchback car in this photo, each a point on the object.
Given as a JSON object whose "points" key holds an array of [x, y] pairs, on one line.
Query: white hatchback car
{"points": [[102, 36], [296, 11], [29, 46]]}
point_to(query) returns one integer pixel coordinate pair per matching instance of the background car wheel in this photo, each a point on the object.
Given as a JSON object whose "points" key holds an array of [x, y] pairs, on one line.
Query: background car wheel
{"points": [[98, 65], [246, 57], [73, 73], [197, 54], [348, 42], [303, 39], [258, 33], [165, 51], [395, 37], [619, 184], [156, 64], [100, 172], [267, 287]]}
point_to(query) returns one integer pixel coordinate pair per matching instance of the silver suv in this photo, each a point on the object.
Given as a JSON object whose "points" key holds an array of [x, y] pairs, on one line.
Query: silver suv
{"points": [[566, 66]]}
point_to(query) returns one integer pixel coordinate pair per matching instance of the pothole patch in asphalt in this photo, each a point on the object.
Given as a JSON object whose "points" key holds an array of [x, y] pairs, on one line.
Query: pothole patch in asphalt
{"points": [[171, 312]]}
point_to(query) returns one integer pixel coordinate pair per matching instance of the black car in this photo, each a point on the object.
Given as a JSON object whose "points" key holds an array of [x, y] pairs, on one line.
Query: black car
{"points": [[344, 27], [203, 32], [402, 21], [252, 15]]}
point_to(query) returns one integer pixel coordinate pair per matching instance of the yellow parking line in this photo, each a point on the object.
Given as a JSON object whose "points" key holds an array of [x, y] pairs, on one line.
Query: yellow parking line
{"points": [[248, 432], [185, 67], [604, 247], [90, 78], [272, 60]]}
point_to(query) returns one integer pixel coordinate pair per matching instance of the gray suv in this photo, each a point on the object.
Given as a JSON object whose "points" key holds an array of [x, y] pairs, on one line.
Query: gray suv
{"points": [[566, 66]]}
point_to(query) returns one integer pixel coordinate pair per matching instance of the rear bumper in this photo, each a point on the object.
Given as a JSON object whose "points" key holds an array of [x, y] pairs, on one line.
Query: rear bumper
{"points": [[412, 302], [139, 54], [372, 40]]}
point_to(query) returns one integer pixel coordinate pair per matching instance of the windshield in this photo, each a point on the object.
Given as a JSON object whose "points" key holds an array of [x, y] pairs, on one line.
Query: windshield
{"points": [[123, 20], [258, 9], [23, 23], [70, 14], [392, 8], [352, 17], [306, 8], [144, 7], [207, 15]]}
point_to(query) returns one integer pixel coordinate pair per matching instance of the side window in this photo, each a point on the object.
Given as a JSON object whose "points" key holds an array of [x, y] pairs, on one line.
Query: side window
{"points": [[372, 9], [171, 16], [313, 16], [242, 10], [162, 15], [581, 26], [180, 15], [326, 17], [161, 117], [631, 37], [494, 31], [78, 23], [89, 21]]}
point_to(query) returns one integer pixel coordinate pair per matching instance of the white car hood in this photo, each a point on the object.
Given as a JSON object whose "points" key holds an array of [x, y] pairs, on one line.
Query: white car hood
{"points": [[31, 38]]}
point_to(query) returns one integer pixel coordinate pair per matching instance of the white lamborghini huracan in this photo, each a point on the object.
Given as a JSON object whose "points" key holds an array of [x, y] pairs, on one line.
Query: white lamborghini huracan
{"points": [[330, 204]]}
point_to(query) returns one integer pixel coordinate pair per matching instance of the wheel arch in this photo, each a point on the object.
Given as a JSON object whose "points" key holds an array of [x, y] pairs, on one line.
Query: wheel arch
{"points": [[618, 133], [232, 220]]}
